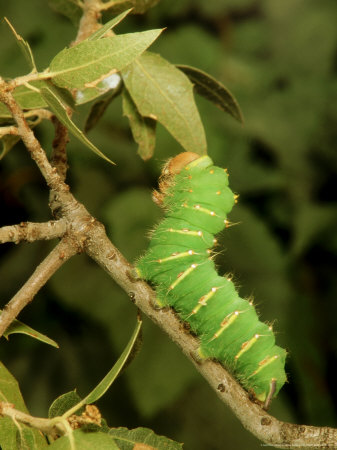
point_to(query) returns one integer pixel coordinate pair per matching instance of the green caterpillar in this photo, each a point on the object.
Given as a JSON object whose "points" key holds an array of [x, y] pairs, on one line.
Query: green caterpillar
{"points": [[179, 262]]}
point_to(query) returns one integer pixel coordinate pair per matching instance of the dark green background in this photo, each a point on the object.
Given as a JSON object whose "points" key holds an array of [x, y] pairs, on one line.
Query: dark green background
{"points": [[279, 58]]}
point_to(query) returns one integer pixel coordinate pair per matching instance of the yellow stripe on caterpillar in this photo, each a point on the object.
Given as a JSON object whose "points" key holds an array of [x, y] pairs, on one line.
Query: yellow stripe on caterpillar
{"points": [[247, 345], [182, 275]]}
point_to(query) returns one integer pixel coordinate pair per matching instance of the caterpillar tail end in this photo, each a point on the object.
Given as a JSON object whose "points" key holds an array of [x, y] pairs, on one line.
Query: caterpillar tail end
{"points": [[272, 390], [265, 398]]}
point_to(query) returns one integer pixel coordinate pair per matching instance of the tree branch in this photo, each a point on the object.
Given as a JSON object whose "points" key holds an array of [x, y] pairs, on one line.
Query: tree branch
{"points": [[30, 232], [56, 258]]}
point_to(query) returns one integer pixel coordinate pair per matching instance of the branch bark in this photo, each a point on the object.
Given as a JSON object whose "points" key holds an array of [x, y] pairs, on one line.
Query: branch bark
{"points": [[30, 232], [59, 158]]}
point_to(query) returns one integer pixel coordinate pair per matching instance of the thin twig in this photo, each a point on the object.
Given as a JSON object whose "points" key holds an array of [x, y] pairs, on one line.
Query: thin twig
{"points": [[8, 130], [24, 79], [59, 158], [50, 174], [55, 426], [56, 258], [41, 113], [30, 232]]}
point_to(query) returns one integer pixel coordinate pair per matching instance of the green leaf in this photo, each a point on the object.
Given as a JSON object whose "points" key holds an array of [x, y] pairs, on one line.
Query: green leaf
{"points": [[143, 128], [63, 403], [129, 439], [108, 26], [12, 434], [24, 46], [26, 98], [213, 90], [92, 61], [99, 108], [17, 327], [63, 95], [82, 440], [164, 93], [104, 385], [59, 108]]}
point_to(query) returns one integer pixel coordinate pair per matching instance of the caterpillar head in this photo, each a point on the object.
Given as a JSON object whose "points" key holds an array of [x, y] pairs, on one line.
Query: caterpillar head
{"points": [[172, 167]]}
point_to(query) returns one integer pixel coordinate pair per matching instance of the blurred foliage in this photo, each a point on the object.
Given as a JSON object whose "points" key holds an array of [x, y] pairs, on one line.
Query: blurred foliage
{"points": [[280, 61]]}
